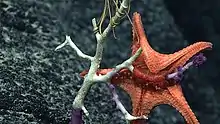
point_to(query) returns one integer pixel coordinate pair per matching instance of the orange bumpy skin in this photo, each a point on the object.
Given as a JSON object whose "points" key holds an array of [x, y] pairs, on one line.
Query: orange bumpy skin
{"points": [[148, 85]]}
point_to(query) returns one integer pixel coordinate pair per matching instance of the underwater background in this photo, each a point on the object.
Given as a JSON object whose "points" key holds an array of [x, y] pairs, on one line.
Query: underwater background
{"points": [[38, 84]]}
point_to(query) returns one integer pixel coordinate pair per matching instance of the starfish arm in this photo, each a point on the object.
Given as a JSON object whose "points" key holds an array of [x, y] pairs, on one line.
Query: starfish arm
{"points": [[150, 78], [191, 51], [185, 53], [135, 42], [139, 37], [155, 60], [158, 62], [138, 30], [179, 102], [173, 97]]}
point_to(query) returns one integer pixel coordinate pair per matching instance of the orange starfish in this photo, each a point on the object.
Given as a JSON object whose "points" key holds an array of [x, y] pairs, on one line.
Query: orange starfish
{"points": [[147, 85]]}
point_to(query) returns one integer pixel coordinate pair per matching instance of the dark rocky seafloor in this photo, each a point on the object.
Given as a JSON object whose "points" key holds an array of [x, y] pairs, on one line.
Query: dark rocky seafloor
{"points": [[38, 85]]}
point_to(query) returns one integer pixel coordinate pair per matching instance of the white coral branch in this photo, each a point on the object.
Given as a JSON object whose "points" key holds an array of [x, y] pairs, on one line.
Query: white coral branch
{"points": [[127, 115], [68, 41], [125, 64]]}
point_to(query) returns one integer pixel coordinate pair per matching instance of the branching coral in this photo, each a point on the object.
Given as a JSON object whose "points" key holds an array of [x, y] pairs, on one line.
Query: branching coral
{"points": [[91, 78]]}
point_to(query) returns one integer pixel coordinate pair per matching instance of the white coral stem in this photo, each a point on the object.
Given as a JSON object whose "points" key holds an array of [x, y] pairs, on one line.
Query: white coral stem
{"points": [[127, 115]]}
